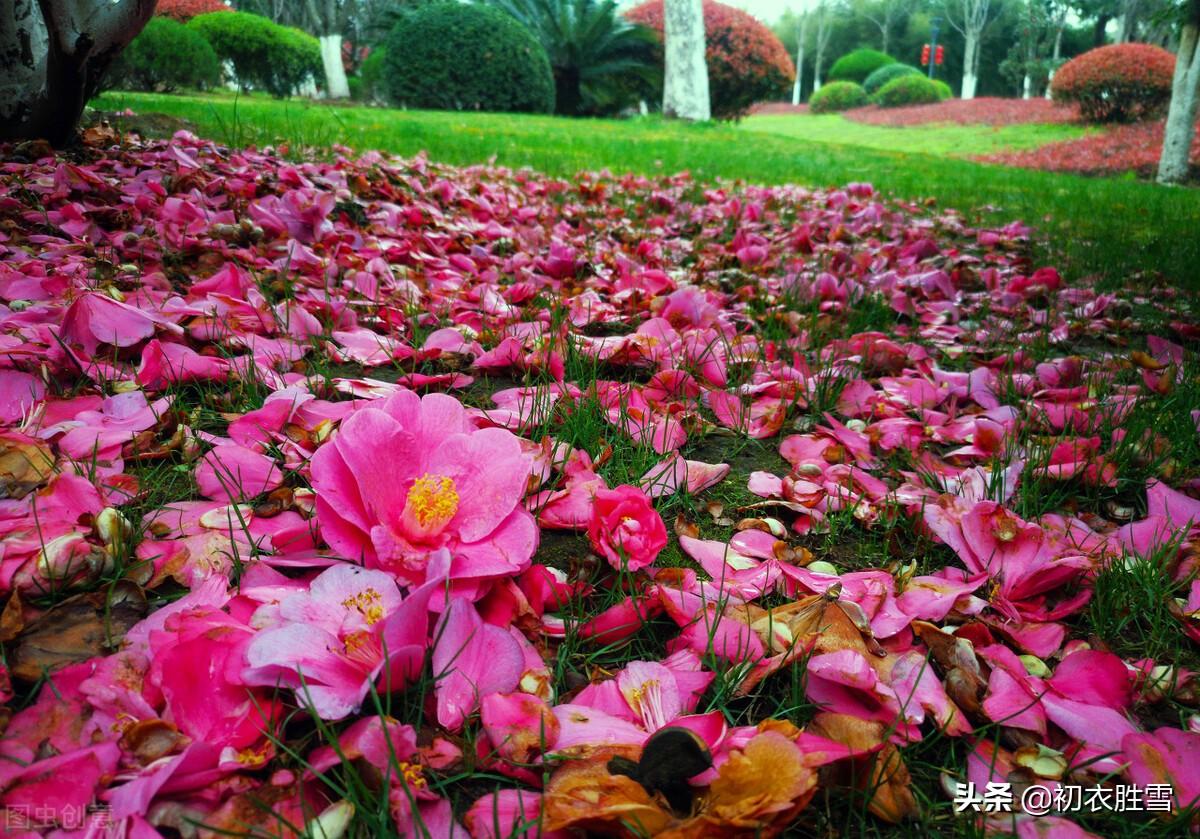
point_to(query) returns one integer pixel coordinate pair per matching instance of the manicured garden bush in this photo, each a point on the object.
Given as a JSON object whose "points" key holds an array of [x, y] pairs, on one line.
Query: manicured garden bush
{"points": [[943, 89], [371, 73], [457, 57], [746, 62], [908, 90], [885, 74], [265, 55], [856, 66], [165, 56], [1117, 83], [185, 10], [837, 96]]}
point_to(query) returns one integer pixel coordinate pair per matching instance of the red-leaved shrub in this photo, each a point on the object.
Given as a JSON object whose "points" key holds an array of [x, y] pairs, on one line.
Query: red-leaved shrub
{"points": [[746, 62], [185, 10], [1117, 83]]}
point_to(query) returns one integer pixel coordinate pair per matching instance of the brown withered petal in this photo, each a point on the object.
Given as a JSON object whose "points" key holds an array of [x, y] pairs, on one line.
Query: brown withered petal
{"points": [[148, 740], [79, 628], [683, 527], [25, 464], [883, 772]]}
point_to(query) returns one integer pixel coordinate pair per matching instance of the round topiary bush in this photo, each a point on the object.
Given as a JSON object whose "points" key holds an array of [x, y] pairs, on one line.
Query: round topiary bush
{"points": [[943, 89], [908, 90], [885, 74], [459, 57], [856, 66], [165, 56], [746, 62], [1118, 83], [277, 59], [837, 96]]}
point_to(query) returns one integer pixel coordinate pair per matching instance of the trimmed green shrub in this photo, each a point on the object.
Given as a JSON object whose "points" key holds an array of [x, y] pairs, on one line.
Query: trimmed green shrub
{"points": [[856, 66], [1117, 83], [165, 56], [372, 74], [265, 55], [457, 57], [908, 90], [943, 89], [837, 96], [885, 74]]}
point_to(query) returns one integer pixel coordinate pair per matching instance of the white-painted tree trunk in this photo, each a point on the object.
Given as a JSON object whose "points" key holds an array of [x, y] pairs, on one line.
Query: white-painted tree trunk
{"points": [[336, 86], [1050, 82], [1027, 87], [801, 35], [685, 75], [970, 60], [1181, 118]]}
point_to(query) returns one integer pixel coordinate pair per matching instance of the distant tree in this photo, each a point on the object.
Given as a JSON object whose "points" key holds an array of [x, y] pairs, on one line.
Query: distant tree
{"points": [[801, 36], [886, 15], [821, 38], [971, 18], [53, 55], [1185, 93]]}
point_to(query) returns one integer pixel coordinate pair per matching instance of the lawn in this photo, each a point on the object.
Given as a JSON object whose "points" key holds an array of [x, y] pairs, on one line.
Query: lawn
{"points": [[361, 496], [1116, 229], [945, 140], [403, 495]]}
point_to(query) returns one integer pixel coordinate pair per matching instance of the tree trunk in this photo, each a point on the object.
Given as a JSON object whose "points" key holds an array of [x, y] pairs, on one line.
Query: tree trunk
{"points": [[53, 54], [685, 76], [1027, 87], [797, 93], [1099, 28], [1181, 118], [336, 86], [970, 51]]}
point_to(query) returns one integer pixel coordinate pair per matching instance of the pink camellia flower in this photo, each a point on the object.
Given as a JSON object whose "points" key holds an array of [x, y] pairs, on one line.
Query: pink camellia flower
{"points": [[333, 641], [625, 528], [407, 475]]}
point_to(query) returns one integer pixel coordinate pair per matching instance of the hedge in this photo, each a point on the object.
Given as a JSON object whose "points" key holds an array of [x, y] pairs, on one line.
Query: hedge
{"points": [[165, 56], [885, 74], [856, 66], [277, 59], [837, 96], [908, 90], [458, 57]]}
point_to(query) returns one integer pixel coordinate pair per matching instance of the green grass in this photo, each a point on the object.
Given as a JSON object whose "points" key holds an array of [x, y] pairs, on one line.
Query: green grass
{"points": [[946, 140], [1117, 229]]}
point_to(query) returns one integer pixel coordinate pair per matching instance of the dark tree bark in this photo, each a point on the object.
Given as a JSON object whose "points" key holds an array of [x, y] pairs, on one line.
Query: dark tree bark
{"points": [[53, 54]]}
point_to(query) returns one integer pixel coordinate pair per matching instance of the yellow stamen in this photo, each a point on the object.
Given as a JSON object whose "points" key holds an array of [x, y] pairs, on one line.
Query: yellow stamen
{"points": [[432, 502], [412, 774], [367, 602]]}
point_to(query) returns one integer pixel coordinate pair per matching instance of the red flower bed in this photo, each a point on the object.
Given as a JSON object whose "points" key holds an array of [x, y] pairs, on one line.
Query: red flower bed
{"points": [[776, 108], [185, 10], [1122, 148], [985, 111]]}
